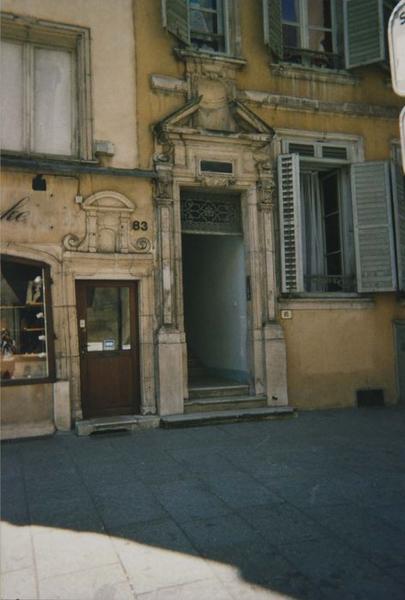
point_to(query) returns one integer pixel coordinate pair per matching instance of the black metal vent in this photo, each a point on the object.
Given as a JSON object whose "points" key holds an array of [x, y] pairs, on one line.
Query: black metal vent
{"points": [[215, 166], [301, 149], [373, 398], [337, 152]]}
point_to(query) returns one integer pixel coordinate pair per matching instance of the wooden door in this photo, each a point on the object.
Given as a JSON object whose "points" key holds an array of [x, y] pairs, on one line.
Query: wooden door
{"points": [[109, 348]]}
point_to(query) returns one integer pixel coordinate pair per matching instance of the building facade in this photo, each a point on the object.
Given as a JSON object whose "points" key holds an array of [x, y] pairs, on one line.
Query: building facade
{"points": [[198, 196]]}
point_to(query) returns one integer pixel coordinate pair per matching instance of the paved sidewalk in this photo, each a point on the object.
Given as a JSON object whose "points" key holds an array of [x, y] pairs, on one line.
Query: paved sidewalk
{"points": [[304, 508]]}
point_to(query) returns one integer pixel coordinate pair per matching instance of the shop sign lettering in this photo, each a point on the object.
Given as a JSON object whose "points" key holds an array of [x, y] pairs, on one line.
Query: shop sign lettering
{"points": [[17, 213]]}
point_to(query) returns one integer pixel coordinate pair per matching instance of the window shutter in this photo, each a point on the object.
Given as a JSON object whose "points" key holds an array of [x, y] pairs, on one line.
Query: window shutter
{"points": [[290, 223], [175, 18], [273, 29], [364, 32], [373, 232], [398, 194]]}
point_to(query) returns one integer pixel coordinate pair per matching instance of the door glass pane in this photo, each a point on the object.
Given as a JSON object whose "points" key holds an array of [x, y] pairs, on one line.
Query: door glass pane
{"points": [[108, 319]]}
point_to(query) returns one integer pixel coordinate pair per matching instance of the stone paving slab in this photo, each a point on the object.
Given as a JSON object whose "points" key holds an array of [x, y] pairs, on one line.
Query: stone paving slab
{"points": [[311, 508]]}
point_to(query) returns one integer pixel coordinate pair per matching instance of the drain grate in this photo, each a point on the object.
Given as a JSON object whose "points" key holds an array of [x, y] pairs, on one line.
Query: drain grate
{"points": [[370, 398]]}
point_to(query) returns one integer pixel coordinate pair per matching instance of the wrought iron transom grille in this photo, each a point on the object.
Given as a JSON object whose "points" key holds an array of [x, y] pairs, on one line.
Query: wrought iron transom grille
{"points": [[210, 213]]}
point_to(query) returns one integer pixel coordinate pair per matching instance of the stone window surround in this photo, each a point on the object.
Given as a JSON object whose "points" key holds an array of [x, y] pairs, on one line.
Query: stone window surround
{"points": [[355, 149], [54, 35]]}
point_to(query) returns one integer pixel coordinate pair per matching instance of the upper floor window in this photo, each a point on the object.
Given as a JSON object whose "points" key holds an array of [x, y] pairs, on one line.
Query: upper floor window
{"points": [[204, 25], [309, 35], [44, 99], [328, 33], [337, 219], [207, 30]]}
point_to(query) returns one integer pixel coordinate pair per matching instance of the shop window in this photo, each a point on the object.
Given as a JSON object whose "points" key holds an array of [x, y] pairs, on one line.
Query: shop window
{"points": [[204, 25], [342, 224], [26, 322], [44, 93]]}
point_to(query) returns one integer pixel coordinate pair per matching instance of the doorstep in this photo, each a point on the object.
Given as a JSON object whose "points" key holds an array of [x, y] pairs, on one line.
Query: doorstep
{"points": [[226, 416], [121, 422]]}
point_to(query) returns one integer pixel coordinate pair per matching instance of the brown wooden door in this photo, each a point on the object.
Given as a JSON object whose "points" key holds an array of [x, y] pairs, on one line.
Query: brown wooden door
{"points": [[109, 352]]}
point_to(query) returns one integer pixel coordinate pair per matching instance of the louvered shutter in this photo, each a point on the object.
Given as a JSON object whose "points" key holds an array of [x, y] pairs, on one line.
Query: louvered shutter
{"points": [[273, 29], [398, 195], [373, 230], [175, 18], [290, 223], [364, 32]]}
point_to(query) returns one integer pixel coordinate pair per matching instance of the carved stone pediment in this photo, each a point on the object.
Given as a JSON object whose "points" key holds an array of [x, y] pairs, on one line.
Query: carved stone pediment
{"points": [[212, 114], [108, 226]]}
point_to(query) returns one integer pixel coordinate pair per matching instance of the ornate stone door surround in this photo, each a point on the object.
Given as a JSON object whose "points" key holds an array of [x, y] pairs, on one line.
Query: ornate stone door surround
{"points": [[180, 150], [109, 250]]}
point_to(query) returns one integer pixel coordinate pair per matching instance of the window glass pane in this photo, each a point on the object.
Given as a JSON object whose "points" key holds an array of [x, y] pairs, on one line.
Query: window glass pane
{"points": [[11, 96], [320, 41], [290, 10], [291, 36], [319, 13], [107, 321], [203, 22], [212, 4], [23, 322], [53, 92]]}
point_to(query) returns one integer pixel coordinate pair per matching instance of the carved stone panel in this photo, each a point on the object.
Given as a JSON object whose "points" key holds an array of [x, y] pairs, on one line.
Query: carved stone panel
{"points": [[108, 226]]}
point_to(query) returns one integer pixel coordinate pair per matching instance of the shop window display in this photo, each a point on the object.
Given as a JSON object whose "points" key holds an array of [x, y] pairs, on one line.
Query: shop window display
{"points": [[25, 321]]}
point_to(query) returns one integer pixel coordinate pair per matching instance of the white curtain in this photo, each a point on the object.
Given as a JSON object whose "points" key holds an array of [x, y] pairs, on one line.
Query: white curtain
{"points": [[313, 242]]}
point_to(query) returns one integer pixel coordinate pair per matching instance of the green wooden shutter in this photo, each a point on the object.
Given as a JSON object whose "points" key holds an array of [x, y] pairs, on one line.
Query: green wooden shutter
{"points": [[292, 276], [398, 197], [273, 29], [364, 32], [373, 230], [175, 18]]}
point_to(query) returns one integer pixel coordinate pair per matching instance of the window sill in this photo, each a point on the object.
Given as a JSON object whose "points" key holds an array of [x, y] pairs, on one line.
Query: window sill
{"points": [[16, 382], [213, 57], [327, 302], [315, 74]]}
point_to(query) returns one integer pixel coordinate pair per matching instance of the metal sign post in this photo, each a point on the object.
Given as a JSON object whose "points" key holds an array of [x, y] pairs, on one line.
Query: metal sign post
{"points": [[396, 42]]}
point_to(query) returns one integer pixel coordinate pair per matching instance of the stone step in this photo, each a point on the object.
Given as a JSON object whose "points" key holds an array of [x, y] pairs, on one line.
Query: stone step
{"points": [[216, 391], [119, 423], [228, 416], [222, 403]]}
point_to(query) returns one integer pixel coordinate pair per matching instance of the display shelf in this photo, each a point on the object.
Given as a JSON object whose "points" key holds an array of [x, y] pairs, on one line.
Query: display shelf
{"points": [[29, 305]]}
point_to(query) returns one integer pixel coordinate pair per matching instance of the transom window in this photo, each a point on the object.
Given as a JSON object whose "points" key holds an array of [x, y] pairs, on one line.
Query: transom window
{"points": [[207, 31], [308, 28]]}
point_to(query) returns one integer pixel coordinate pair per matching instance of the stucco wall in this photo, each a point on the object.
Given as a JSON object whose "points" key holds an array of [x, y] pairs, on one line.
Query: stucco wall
{"points": [[333, 353]]}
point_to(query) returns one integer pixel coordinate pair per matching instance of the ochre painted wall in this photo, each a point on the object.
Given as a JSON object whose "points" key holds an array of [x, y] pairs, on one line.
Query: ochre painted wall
{"points": [[333, 353]]}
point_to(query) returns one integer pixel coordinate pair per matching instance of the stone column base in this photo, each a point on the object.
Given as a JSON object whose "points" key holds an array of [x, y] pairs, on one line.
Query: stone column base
{"points": [[61, 405], [276, 365], [170, 368]]}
